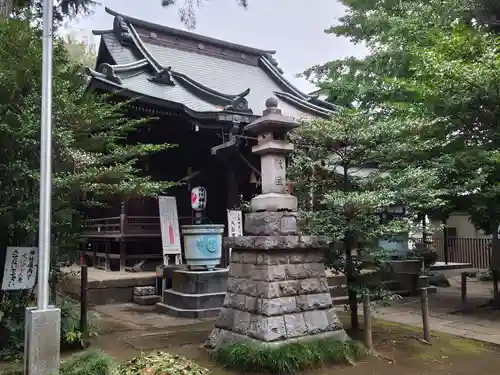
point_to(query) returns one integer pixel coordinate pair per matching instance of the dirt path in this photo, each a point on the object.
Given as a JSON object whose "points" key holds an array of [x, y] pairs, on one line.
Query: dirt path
{"points": [[449, 355]]}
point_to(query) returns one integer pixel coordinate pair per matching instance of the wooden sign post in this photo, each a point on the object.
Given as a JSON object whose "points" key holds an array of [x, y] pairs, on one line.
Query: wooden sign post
{"points": [[170, 234]]}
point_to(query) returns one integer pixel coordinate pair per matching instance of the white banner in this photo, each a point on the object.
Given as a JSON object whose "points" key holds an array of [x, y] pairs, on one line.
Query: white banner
{"points": [[21, 265], [234, 223], [169, 222]]}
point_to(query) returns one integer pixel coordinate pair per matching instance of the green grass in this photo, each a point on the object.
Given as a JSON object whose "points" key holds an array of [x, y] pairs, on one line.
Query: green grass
{"points": [[89, 362], [288, 358]]}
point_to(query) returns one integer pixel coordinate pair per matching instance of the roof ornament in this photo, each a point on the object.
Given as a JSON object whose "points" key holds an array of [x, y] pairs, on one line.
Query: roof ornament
{"points": [[239, 103], [109, 72], [273, 62], [121, 30], [163, 77]]}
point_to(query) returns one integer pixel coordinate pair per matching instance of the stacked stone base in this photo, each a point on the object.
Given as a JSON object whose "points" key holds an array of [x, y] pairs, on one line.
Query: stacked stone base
{"points": [[145, 295], [195, 294], [277, 293]]}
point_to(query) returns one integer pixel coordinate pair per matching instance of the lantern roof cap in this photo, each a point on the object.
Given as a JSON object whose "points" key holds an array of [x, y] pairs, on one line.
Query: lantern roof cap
{"points": [[272, 119]]}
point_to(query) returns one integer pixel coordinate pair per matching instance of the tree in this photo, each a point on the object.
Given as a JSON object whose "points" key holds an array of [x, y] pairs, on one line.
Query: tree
{"points": [[187, 10], [63, 8], [346, 162], [433, 68], [91, 158], [80, 52]]}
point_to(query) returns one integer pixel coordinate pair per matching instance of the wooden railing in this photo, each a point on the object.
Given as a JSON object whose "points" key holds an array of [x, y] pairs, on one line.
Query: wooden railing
{"points": [[476, 251], [124, 225]]}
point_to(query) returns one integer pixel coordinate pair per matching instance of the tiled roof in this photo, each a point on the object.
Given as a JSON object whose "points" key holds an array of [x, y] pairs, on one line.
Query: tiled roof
{"points": [[202, 74]]}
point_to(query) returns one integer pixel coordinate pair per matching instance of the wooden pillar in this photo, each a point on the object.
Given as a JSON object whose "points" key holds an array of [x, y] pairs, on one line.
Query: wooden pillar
{"points": [[233, 193], [93, 245], [445, 241], [107, 266], [123, 254], [123, 246]]}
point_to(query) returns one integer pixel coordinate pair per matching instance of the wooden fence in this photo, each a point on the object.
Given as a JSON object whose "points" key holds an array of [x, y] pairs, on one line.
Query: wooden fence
{"points": [[476, 251]]}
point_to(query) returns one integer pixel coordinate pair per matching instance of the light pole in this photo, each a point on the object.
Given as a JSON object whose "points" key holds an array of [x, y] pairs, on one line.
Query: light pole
{"points": [[43, 323]]}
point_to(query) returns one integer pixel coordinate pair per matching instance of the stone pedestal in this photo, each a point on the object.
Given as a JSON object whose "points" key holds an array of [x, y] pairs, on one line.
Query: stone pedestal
{"points": [[195, 294], [277, 293]]}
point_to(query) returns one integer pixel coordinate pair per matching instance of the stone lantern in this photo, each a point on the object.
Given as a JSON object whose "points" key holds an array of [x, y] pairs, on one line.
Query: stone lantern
{"points": [[277, 291], [273, 146]]}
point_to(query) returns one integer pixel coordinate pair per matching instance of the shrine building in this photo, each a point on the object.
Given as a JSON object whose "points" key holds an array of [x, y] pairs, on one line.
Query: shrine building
{"points": [[200, 92]]}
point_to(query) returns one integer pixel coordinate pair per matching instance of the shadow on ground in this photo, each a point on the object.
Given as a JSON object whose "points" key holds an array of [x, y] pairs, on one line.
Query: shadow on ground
{"points": [[400, 347]]}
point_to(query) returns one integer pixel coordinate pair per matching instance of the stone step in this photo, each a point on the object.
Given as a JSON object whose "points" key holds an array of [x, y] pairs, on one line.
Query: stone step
{"points": [[193, 301], [146, 300], [186, 313], [342, 300], [338, 291], [336, 280]]}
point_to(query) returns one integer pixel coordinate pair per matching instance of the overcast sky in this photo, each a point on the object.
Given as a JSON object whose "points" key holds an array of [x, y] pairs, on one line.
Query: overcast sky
{"points": [[294, 28]]}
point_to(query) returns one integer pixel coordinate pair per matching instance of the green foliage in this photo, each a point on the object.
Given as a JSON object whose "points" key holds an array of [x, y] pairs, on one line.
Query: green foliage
{"points": [[92, 159], [158, 364], [485, 275], [89, 362], [345, 177], [71, 335], [425, 253], [288, 358], [439, 280], [80, 52], [63, 9], [187, 11], [12, 309], [432, 72]]}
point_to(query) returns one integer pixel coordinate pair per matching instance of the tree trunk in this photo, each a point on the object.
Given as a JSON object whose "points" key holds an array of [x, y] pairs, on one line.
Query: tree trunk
{"points": [[350, 275], [6, 8], [351, 280]]}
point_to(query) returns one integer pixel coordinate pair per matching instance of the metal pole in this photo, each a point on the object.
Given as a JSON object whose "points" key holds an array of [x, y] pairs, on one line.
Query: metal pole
{"points": [[43, 323], [44, 235]]}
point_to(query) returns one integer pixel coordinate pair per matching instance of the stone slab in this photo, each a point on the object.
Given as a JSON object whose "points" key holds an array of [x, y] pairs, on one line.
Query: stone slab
{"points": [[42, 341], [220, 337], [185, 313], [200, 282], [146, 300], [274, 202], [193, 301], [271, 223], [284, 243], [144, 291], [276, 294]]}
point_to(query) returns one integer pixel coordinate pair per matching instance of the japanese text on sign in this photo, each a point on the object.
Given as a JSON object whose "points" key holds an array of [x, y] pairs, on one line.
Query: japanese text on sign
{"points": [[20, 268], [235, 225]]}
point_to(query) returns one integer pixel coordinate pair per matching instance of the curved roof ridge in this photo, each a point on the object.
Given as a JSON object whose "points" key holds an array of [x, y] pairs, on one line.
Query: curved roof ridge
{"points": [[232, 102], [281, 78], [187, 34], [143, 50], [201, 86], [303, 103]]}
